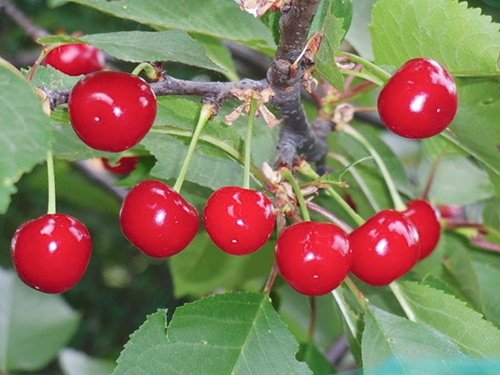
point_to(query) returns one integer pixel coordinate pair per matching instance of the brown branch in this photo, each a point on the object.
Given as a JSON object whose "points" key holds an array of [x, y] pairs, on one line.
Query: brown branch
{"points": [[296, 134], [33, 31]]}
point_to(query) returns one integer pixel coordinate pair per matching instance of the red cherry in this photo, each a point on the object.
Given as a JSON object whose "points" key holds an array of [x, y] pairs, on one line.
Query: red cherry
{"points": [[238, 220], [123, 166], [111, 111], [75, 59], [419, 101], [157, 219], [452, 212], [51, 253], [385, 248], [314, 258], [426, 219]]}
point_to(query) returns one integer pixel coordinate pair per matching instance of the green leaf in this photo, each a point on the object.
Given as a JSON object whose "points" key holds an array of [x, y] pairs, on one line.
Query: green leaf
{"points": [[336, 178], [238, 333], [202, 268], [218, 18], [49, 77], [491, 219], [440, 147], [316, 361], [219, 54], [460, 324], [488, 277], [33, 326], [387, 336], [433, 28], [73, 362], [25, 130]]}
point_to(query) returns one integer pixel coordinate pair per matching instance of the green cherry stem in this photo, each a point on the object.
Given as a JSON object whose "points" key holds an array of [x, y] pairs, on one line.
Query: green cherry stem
{"points": [[51, 184], [373, 68], [146, 67], [248, 143], [206, 112], [368, 77], [396, 198], [287, 175], [306, 170]]}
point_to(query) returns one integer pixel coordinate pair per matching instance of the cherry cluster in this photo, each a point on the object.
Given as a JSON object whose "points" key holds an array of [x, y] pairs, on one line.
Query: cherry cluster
{"points": [[113, 111]]}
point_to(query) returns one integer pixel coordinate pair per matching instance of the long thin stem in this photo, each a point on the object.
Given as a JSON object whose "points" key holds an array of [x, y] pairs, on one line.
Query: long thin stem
{"points": [[368, 77], [206, 112], [306, 170], [248, 144], [146, 67], [330, 216], [287, 175], [379, 72], [396, 290], [396, 198], [51, 209], [357, 293]]}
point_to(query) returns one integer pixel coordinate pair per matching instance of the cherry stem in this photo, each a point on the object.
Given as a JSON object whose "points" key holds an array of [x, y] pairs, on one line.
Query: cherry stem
{"points": [[271, 278], [51, 209], [396, 290], [432, 173], [248, 143], [146, 67], [312, 319], [357, 293], [306, 170], [39, 60], [393, 191], [206, 112], [330, 216], [367, 77], [373, 68], [287, 175]]}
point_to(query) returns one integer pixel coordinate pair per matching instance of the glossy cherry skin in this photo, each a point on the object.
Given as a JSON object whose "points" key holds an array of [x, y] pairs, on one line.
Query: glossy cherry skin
{"points": [[385, 248], [123, 166], [75, 59], [111, 111], [425, 218], [314, 258], [157, 219], [419, 100], [239, 221], [51, 253]]}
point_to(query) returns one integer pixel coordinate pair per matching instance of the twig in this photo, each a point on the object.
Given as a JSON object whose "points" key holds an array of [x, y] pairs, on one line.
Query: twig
{"points": [[33, 31]]}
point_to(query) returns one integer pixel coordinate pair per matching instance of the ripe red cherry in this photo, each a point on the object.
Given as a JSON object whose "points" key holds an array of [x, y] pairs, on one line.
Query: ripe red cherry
{"points": [[314, 258], [238, 220], [111, 111], [419, 101], [157, 219], [385, 248], [123, 166], [75, 59], [425, 218], [51, 253]]}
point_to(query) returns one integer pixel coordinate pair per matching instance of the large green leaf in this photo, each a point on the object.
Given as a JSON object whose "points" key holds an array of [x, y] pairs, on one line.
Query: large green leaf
{"points": [[387, 336], [238, 333], [25, 131], [219, 18], [33, 326], [488, 277], [202, 268], [460, 324]]}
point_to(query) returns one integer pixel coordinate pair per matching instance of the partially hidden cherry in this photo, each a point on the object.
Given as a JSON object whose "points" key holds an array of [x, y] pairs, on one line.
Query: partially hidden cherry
{"points": [[75, 59], [425, 218], [385, 248], [123, 166], [239, 221], [419, 100], [111, 111], [52, 252], [157, 219], [314, 258]]}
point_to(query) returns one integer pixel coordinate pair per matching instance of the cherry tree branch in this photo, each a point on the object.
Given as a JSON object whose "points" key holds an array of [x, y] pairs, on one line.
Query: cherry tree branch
{"points": [[33, 31]]}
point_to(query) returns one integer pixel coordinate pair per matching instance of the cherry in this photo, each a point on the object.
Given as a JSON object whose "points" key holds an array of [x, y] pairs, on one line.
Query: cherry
{"points": [[123, 166], [419, 101], [111, 111], [75, 59], [452, 212], [426, 219], [314, 258], [52, 252], [385, 248], [157, 219], [238, 220]]}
